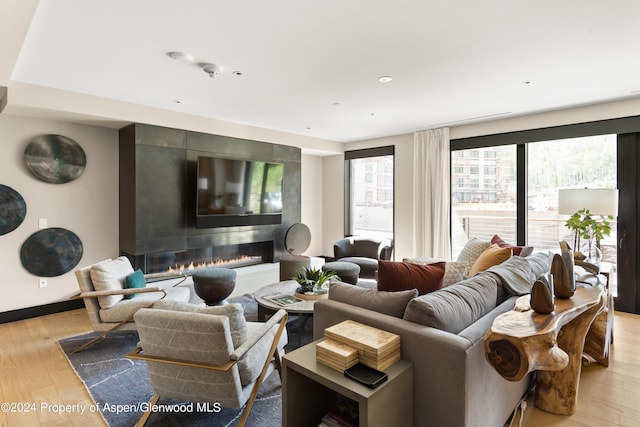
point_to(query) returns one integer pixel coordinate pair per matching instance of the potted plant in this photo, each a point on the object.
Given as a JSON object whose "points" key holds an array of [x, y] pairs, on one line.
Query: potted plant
{"points": [[587, 226], [313, 282]]}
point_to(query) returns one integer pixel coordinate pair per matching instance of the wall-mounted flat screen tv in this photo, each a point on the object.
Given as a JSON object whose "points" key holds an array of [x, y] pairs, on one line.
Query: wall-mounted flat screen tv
{"points": [[233, 192]]}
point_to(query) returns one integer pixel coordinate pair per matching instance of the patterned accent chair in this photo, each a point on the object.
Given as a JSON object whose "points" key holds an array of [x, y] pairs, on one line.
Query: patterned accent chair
{"points": [[111, 305], [208, 354]]}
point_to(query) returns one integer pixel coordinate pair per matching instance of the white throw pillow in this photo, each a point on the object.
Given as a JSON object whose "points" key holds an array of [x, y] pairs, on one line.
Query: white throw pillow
{"points": [[109, 276], [453, 270]]}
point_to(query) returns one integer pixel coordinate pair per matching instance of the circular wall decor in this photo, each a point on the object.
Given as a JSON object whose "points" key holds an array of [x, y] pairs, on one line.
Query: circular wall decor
{"points": [[55, 158], [13, 209], [297, 239], [51, 252]]}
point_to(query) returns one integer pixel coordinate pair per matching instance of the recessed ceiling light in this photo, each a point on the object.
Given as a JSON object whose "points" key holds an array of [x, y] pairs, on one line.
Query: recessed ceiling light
{"points": [[385, 79], [177, 101], [527, 82], [180, 56], [213, 70], [237, 73], [336, 104]]}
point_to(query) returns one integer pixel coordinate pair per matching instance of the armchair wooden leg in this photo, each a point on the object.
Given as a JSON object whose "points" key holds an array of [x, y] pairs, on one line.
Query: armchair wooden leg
{"points": [[145, 416], [256, 387], [98, 338]]}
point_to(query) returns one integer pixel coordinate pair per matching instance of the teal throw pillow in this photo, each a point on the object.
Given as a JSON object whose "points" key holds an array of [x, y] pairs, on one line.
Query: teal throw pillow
{"points": [[134, 280]]}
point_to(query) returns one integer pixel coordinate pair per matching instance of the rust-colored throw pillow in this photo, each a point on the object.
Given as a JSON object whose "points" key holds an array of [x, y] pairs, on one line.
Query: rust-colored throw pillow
{"points": [[491, 256], [517, 250], [399, 276]]}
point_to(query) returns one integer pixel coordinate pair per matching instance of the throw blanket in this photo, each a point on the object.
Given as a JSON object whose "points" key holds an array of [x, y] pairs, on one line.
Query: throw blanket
{"points": [[515, 275]]}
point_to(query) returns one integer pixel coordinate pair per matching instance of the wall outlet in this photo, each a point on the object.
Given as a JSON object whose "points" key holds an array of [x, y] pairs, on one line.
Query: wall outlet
{"points": [[42, 223], [42, 282]]}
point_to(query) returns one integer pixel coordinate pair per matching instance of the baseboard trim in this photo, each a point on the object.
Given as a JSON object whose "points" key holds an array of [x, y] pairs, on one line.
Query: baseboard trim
{"points": [[40, 310]]}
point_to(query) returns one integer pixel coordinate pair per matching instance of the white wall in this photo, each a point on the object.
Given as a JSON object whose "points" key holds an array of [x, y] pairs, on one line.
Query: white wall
{"points": [[87, 206], [312, 201]]}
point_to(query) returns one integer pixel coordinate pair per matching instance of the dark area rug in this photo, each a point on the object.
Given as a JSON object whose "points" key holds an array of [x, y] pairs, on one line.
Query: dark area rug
{"points": [[120, 387]]}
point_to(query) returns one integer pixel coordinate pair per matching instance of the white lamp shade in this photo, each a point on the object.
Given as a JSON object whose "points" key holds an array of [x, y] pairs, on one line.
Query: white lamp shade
{"points": [[599, 201]]}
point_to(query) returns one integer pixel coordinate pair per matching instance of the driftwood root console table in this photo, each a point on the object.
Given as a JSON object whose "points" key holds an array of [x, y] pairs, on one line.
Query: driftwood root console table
{"points": [[522, 341]]}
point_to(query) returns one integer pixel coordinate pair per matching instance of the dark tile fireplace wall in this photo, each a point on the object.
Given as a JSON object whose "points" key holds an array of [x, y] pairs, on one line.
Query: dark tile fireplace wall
{"points": [[157, 194]]}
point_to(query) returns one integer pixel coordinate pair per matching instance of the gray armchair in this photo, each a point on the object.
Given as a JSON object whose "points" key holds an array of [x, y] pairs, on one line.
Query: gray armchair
{"points": [[365, 252], [195, 355]]}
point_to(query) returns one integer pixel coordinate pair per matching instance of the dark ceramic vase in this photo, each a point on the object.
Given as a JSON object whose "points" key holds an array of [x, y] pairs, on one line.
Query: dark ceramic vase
{"points": [[542, 300], [564, 283]]}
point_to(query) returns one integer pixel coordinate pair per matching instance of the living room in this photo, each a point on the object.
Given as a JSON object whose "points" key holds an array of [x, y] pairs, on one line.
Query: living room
{"points": [[90, 205]]}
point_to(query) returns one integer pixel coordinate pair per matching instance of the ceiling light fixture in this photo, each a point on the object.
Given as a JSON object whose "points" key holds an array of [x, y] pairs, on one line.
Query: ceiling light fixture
{"points": [[385, 79], [180, 56], [213, 70]]}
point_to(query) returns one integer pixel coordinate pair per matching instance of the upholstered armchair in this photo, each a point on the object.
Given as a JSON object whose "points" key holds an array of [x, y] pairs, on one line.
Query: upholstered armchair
{"points": [[363, 251], [208, 354], [111, 305]]}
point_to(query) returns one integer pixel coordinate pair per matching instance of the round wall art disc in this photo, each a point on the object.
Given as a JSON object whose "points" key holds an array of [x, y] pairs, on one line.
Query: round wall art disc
{"points": [[55, 158], [13, 209], [51, 252], [297, 239]]}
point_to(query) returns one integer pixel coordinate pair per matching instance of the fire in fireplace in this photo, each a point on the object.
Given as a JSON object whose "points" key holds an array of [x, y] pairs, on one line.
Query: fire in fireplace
{"points": [[189, 260]]}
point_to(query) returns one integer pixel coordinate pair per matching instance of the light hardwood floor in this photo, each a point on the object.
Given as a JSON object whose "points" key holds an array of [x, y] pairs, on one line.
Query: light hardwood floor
{"points": [[33, 370]]}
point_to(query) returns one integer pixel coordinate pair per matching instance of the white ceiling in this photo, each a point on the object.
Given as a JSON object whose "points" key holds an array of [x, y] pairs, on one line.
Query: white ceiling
{"points": [[312, 67]]}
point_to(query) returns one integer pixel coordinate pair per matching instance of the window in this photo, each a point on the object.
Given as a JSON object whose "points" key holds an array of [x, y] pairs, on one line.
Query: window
{"points": [[483, 212], [553, 165], [369, 192]]}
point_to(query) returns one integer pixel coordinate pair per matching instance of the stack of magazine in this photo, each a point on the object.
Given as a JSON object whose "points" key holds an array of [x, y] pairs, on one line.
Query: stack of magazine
{"points": [[283, 299]]}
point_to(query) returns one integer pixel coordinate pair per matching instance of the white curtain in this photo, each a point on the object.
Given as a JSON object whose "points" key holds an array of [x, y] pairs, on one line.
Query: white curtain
{"points": [[432, 194]]}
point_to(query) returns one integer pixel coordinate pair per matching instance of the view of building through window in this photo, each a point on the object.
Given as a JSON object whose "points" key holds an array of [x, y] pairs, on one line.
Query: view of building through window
{"points": [[483, 189], [371, 196]]}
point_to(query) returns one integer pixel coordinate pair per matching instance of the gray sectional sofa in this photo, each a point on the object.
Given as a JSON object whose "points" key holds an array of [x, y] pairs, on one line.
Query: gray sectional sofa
{"points": [[442, 334]]}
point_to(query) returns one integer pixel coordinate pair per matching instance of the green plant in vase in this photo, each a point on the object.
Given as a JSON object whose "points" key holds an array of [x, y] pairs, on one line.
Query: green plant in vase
{"points": [[589, 227], [313, 280]]}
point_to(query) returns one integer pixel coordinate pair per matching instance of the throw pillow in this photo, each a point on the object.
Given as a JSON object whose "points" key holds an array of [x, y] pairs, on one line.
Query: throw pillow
{"points": [[390, 303], [109, 276], [399, 276], [517, 250], [455, 307], [134, 280], [453, 270], [234, 312], [470, 253], [493, 255]]}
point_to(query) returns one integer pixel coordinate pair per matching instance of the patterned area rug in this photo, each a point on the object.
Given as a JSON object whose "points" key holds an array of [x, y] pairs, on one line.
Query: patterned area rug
{"points": [[121, 390]]}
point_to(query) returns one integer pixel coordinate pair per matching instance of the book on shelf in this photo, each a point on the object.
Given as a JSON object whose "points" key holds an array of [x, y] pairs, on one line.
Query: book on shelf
{"points": [[283, 299]]}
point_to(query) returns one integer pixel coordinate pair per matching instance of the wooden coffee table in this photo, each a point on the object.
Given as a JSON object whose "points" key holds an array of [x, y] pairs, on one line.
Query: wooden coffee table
{"points": [[521, 341]]}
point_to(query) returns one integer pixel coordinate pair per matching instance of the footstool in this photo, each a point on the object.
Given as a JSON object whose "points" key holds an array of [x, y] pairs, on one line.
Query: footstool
{"points": [[347, 271], [214, 285]]}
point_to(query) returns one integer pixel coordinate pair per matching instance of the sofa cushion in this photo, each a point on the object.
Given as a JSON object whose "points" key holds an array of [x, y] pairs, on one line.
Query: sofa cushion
{"points": [[390, 303], [522, 251], [491, 256], [109, 276], [455, 307], [399, 276], [471, 251], [234, 312], [453, 270], [125, 309]]}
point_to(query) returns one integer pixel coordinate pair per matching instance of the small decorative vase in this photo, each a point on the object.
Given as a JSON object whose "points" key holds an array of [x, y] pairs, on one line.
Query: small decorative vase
{"points": [[593, 254], [542, 300], [564, 285]]}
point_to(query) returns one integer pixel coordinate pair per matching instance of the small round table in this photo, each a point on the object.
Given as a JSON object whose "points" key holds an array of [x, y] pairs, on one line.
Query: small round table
{"points": [[303, 309], [214, 285]]}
